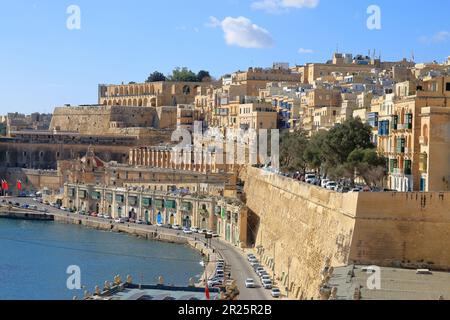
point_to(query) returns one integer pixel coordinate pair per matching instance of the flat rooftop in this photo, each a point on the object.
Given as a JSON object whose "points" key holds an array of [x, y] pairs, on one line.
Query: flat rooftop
{"points": [[396, 284], [159, 293]]}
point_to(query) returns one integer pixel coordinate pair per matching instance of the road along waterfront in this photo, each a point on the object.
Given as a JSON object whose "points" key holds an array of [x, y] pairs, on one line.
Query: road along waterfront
{"points": [[238, 265]]}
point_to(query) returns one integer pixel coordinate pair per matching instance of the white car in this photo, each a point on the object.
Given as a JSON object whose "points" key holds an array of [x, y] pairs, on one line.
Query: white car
{"points": [[176, 227], [355, 190], [324, 182], [194, 229], [215, 283], [265, 277], [187, 231], [202, 231], [267, 284], [119, 220], [259, 271], [250, 283], [276, 293], [159, 225], [331, 185], [254, 262], [310, 178]]}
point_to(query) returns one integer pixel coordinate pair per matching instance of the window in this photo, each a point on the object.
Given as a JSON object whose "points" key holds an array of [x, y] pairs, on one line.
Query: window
{"points": [[447, 86]]}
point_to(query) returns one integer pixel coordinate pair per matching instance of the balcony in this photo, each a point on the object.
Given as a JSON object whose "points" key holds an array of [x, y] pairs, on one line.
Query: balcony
{"points": [[423, 141]]}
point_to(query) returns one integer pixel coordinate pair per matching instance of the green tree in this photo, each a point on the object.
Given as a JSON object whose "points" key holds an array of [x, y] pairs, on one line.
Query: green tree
{"points": [[292, 151], [183, 75], [367, 164], [203, 75], [156, 77], [314, 151], [343, 139]]}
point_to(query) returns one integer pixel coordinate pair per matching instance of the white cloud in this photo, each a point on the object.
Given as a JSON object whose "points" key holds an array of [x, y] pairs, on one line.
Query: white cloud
{"points": [[305, 51], [280, 6], [439, 37], [213, 22], [242, 32]]}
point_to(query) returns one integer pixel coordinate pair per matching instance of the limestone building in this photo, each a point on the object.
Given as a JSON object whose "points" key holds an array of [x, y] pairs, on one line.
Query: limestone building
{"points": [[152, 94]]}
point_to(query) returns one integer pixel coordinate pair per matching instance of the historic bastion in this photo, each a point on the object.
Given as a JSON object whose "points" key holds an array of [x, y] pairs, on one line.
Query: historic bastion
{"points": [[298, 228]]}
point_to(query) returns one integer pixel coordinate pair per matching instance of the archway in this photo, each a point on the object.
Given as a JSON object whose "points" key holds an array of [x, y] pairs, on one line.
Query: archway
{"points": [[159, 219], [146, 217], [186, 90], [187, 222], [172, 219]]}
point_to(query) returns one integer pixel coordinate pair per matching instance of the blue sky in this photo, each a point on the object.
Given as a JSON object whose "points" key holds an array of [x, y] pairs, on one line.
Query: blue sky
{"points": [[44, 64]]}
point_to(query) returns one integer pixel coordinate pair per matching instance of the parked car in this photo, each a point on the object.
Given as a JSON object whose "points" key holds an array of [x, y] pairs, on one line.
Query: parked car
{"points": [[159, 225], [255, 263], [250, 256], [220, 273], [355, 190], [250, 283], [310, 178], [63, 208], [324, 182], [267, 284], [119, 220], [276, 293], [331, 185], [108, 217], [176, 227], [343, 189], [215, 283], [259, 271], [265, 277], [194, 229], [187, 231], [215, 235], [138, 221], [202, 231]]}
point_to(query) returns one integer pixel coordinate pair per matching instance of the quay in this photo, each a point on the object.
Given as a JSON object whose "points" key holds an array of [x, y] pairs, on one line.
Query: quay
{"points": [[24, 214]]}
